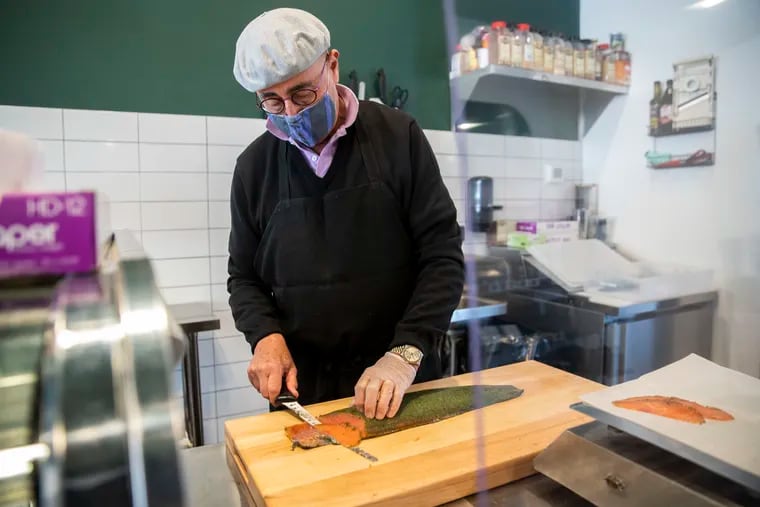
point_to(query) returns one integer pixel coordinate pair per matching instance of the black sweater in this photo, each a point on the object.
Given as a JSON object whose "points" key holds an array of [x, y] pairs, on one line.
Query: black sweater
{"points": [[408, 168]]}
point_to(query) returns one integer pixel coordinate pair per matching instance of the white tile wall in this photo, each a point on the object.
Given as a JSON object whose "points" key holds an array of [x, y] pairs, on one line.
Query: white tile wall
{"points": [[181, 272], [219, 269], [231, 349], [555, 148], [222, 159], [522, 147], [157, 216], [523, 168], [219, 296], [172, 128], [38, 122], [54, 181], [208, 380], [184, 158], [442, 142], [168, 178], [483, 144], [175, 244], [173, 186], [99, 125], [219, 186], [210, 430], [521, 189], [206, 353], [235, 131], [218, 239], [101, 157], [52, 152], [219, 214], [450, 165], [232, 375], [208, 404], [116, 187], [227, 325], [189, 294], [241, 400], [125, 215]]}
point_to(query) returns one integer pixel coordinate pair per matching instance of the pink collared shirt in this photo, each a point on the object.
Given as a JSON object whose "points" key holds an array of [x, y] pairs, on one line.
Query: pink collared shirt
{"points": [[320, 162]]}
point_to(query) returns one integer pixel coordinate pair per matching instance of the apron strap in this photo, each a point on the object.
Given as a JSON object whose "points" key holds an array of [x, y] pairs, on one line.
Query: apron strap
{"points": [[283, 172], [368, 153]]}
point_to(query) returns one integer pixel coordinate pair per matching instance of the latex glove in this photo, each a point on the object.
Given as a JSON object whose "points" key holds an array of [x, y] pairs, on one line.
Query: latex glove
{"points": [[380, 389], [271, 362]]}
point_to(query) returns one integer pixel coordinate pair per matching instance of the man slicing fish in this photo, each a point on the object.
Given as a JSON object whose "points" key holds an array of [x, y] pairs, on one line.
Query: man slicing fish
{"points": [[345, 254]]}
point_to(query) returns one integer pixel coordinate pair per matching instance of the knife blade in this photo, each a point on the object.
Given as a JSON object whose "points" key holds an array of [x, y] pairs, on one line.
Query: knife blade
{"points": [[289, 401]]}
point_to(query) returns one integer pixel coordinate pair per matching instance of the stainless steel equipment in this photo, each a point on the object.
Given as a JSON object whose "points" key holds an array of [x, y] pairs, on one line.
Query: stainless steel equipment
{"points": [[607, 466], [480, 204], [602, 342], [92, 421]]}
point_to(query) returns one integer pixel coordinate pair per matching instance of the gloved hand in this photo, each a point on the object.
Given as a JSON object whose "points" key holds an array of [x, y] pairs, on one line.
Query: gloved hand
{"points": [[382, 386], [271, 362]]}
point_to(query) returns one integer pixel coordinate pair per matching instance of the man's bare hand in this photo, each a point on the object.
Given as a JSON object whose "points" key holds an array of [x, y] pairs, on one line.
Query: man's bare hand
{"points": [[271, 362]]}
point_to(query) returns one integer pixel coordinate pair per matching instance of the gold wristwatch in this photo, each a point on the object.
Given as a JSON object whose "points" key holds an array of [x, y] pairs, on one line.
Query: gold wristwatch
{"points": [[409, 353]]}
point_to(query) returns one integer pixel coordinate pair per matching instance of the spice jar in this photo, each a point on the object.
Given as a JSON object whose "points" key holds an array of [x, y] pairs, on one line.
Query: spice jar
{"points": [[599, 55], [589, 63]]}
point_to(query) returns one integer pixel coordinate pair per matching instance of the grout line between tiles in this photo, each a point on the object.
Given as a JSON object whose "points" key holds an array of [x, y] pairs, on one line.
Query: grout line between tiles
{"points": [[63, 148], [208, 235]]}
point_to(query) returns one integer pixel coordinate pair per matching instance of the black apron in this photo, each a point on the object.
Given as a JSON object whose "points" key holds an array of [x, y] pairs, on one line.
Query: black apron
{"points": [[342, 271]]}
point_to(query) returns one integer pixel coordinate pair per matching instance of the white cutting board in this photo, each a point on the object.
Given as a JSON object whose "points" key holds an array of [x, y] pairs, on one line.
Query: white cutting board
{"points": [[582, 263], [697, 379]]}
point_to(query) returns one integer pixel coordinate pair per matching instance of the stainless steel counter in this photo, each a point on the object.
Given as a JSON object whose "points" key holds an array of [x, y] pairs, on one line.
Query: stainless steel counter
{"points": [[208, 483], [471, 308]]}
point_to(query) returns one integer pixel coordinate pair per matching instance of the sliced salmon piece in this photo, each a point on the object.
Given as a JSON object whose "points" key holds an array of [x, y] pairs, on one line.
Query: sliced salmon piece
{"points": [[308, 437], [712, 413], [674, 408], [662, 406]]}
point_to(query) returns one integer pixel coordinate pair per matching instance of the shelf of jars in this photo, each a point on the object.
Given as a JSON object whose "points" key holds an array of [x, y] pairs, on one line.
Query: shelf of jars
{"points": [[466, 83]]}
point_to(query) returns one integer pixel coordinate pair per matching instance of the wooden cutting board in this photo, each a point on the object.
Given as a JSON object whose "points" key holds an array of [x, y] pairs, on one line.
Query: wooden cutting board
{"points": [[427, 465]]}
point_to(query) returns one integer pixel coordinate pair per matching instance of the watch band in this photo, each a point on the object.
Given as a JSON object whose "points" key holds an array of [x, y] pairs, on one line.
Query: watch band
{"points": [[409, 353]]}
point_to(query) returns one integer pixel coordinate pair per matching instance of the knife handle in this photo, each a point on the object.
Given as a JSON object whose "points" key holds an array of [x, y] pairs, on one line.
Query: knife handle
{"points": [[284, 396]]}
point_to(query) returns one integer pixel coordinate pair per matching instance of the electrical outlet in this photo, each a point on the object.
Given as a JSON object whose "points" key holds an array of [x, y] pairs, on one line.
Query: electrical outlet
{"points": [[553, 174]]}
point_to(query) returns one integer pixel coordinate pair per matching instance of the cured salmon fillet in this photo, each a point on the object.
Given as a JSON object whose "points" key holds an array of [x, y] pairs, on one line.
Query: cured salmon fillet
{"points": [[349, 426], [674, 408]]}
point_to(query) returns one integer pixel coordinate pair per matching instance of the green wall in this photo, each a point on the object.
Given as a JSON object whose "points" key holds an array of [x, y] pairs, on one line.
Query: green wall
{"points": [[175, 56]]}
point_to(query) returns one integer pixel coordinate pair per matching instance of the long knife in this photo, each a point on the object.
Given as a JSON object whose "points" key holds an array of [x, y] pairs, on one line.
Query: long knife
{"points": [[289, 401]]}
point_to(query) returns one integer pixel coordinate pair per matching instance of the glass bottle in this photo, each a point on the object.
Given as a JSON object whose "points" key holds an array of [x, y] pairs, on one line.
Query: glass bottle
{"points": [[559, 55], [600, 54], [529, 58], [503, 39], [654, 109], [518, 40], [568, 48], [549, 42], [589, 63], [666, 109], [579, 58], [481, 45], [538, 50]]}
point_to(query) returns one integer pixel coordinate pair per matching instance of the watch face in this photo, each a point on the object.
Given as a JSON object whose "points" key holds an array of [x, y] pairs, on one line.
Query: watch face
{"points": [[412, 355]]}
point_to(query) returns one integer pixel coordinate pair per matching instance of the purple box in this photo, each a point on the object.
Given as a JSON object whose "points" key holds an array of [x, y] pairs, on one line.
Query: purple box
{"points": [[47, 233]]}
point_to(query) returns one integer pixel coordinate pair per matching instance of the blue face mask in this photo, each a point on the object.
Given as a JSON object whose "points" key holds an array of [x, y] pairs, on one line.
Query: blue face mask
{"points": [[311, 125]]}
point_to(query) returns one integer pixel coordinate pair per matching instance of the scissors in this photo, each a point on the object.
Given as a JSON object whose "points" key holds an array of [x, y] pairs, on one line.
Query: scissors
{"points": [[399, 97]]}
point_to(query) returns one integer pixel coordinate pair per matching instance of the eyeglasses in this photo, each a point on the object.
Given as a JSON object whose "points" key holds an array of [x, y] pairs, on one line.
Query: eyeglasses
{"points": [[302, 97]]}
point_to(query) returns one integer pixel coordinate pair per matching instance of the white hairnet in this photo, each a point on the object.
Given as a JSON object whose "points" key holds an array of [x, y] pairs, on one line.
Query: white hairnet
{"points": [[21, 162], [276, 46]]}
